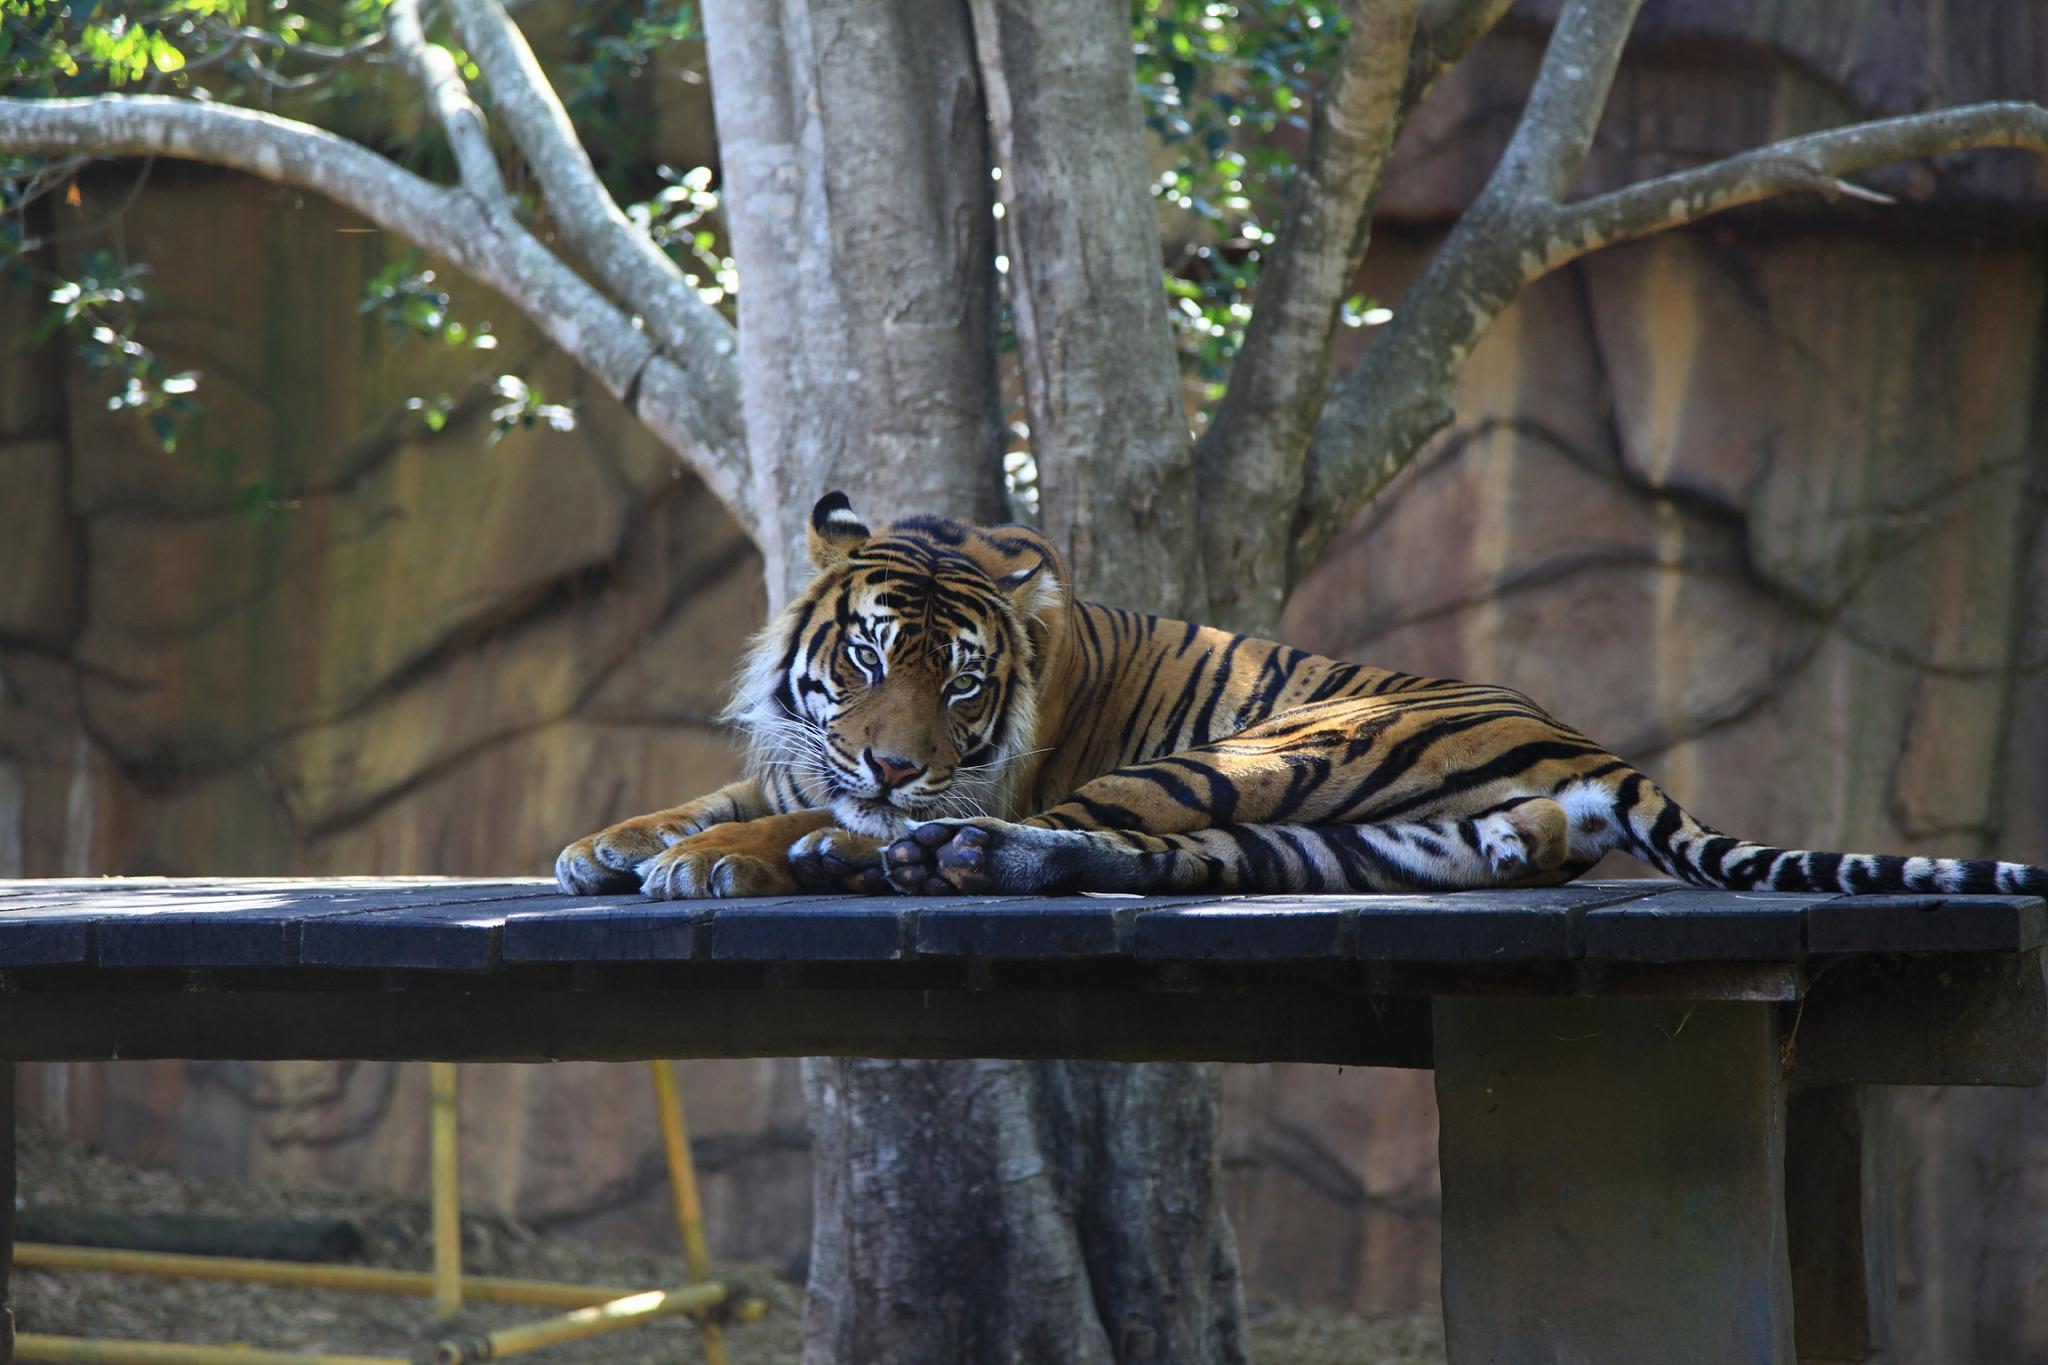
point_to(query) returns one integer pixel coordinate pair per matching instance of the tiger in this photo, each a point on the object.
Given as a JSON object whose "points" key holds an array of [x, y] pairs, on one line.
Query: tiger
{"points": [[936, 714]]}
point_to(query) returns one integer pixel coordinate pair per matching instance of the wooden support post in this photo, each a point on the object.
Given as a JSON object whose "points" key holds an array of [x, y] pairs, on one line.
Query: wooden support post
{"points": [[447, 1191], [1838, 1200], [1613, 1181], [6, 1209]]}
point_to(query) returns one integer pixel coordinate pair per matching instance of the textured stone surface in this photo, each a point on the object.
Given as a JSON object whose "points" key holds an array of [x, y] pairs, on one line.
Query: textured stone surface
{"points": [[432, 653], [39, 552]]}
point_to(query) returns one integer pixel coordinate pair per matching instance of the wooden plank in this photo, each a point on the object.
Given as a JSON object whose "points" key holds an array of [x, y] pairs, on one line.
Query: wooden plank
{"points": [[1030, 929], [823, 929], [1248, 929], [1538, 925], [1687, 924], [1965, 1019], [44, 938], [264, 928], [56, 927], [548, 1023], [75, 890], [1926, 924], [627, 928], [448, 938]]}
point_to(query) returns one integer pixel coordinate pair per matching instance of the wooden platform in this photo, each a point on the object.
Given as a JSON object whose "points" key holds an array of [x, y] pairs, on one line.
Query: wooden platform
{"points": [[512, 970], [1617, 1062]]}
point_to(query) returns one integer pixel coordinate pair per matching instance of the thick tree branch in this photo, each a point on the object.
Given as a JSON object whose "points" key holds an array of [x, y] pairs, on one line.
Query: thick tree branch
{"points": [[854, 155], [1259, 456], [1564, 108], [448, 97], [1399, 394], [1445, 30], [1815, 161], [484, 242], [1102, 386], [1251, 457], [638, 272]]}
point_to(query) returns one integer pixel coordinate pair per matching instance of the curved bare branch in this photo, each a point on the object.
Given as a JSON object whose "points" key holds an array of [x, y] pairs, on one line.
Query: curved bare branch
{"points": [[637, 271], [1445, 30], [448, 97], [1557, 124], [1815, 161], [1399, 394], [1251, 456], [487, 243]]}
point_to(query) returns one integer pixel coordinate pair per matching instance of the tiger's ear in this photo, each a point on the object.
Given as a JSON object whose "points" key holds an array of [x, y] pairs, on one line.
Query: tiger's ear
{"points": [[1034, 590], [835, 531]]}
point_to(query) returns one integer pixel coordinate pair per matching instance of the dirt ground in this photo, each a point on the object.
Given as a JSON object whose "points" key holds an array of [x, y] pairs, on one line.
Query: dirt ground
{"points": [[60, 1174]]}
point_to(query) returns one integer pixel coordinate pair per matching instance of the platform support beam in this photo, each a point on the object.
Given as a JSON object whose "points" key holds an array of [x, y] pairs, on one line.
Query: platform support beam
{"points": [[1613, 1181]]}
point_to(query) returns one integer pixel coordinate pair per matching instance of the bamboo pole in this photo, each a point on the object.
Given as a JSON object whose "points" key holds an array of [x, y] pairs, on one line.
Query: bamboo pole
{"points": [[584, 1322], [682, 1183], [352, 1279], [447, 1193], [682, 1170], [38, 1346]]}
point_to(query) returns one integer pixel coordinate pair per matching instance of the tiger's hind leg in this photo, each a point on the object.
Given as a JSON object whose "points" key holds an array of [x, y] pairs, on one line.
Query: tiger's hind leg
{"points": [[1521, 842]]}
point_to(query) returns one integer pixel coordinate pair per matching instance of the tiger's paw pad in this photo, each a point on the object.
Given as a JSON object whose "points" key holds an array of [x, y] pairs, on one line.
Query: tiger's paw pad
{"points": [[685, 872], [941, 859], [838, 862]]}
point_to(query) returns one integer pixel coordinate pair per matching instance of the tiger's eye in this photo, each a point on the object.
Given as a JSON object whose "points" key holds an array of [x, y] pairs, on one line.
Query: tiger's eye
{"points": [[965, 685], [865, 657]]}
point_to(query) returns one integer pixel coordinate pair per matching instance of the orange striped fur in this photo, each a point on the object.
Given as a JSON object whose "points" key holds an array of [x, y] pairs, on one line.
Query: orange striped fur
{"points": [[935, 714]]}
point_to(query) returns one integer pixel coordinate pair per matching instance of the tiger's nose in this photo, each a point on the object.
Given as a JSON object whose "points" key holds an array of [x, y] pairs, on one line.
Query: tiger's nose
{"points": [[893, 772]]}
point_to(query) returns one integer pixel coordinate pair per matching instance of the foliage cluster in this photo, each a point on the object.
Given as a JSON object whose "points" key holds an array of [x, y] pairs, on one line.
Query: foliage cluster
{"points": [[1226, 89]]}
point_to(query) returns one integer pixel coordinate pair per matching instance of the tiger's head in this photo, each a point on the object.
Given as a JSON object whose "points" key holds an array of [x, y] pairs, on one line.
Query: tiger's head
{"points": [[903, 683]]}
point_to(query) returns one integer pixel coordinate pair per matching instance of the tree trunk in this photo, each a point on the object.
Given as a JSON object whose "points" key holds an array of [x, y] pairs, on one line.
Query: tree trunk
{"points": [[1102, 387], [855, 159], [972, 1211]]}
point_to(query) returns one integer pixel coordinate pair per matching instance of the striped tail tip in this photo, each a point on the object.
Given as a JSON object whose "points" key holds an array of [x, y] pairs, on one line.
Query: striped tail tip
{"points": [[1738, 866], [1661, 832]]}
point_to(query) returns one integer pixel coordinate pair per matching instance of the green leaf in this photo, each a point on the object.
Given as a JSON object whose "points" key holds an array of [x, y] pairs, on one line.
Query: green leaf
{"points": [[163, 56]]}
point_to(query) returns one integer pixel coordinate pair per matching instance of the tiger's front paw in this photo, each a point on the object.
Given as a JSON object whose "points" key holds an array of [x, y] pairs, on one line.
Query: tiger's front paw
{"points": [[838, 862], [707, 866], [938, 859], [608, 861], [585, 869]]}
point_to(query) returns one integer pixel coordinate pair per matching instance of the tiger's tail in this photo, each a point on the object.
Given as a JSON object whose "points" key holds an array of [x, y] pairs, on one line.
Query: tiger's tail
{"points": [[1657, 829]]}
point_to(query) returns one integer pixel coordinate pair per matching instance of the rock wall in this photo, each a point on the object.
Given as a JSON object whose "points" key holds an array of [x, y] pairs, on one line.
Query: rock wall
{"points": [[363, 647], [1761, 505]]}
